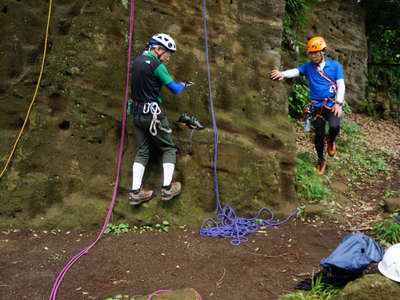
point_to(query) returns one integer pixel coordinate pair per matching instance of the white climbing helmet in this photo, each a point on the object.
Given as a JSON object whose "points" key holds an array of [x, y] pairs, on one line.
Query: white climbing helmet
{"points": [[163, 40], [389, 266]]}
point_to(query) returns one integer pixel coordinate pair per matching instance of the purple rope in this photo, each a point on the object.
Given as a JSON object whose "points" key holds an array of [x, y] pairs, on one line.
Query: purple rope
{"points": [[120, 156], [214, 122], [226, 224]]}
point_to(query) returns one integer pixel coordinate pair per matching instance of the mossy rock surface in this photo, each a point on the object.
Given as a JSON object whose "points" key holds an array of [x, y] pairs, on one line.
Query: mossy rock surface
{"points": [[371, 287], [64, 167]]}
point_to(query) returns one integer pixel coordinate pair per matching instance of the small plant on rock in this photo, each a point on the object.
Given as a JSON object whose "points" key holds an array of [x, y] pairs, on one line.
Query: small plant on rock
{"points": [[117, 229], [164, 226]]}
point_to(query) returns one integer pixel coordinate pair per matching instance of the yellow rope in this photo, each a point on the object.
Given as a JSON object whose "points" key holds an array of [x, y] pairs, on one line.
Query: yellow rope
{"points": [[34, 95]]}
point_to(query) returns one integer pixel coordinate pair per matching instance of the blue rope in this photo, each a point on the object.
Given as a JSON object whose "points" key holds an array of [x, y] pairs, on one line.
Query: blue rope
{"points": [[227, 224]]}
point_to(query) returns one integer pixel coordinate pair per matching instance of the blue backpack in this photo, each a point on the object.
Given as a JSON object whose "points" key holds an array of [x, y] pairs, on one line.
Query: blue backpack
{"points": [[355, 253]]}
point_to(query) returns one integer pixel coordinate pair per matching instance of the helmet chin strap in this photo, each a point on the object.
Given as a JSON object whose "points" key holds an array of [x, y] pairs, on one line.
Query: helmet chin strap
{"points": [[158, 55], [322, 58]]}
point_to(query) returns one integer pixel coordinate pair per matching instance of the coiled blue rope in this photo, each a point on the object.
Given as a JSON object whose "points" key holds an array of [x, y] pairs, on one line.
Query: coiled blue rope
{"points": [[227, 224]]}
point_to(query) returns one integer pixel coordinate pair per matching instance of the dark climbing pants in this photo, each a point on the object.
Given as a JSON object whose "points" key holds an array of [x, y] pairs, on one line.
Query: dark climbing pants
{"points": [[144, 140], [322, 116]]}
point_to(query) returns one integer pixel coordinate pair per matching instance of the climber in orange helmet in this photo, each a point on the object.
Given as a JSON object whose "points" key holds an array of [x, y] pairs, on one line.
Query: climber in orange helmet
{"points": [[327, 88]]}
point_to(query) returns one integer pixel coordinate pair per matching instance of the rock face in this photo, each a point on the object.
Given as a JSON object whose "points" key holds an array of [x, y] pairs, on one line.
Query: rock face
{"points": [[63, 170], [370, 287], [392, 204], [342, 25]]}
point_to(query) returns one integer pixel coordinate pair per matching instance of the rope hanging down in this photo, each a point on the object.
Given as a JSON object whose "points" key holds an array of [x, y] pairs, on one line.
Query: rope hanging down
{"points": [[10, 156], [226, 224], [120, 156]]}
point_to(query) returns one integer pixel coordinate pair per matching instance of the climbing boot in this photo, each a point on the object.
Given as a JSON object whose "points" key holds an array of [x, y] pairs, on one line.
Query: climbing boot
{"points": [[171, 192], [321, 165], [190, 122], [139, 197], [331, 149]]}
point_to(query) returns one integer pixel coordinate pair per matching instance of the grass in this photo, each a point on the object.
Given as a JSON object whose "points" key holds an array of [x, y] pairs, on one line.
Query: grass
{"points": [[319, 291], [356, 160], [312, 187], [390, 193], [388, 231], [124, 228]]}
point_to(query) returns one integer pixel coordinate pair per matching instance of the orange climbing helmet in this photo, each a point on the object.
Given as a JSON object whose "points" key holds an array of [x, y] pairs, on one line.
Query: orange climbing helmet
{"points": [[316, 44]]}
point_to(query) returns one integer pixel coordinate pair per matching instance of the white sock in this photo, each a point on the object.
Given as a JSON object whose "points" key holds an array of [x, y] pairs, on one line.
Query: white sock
{"points": [[168, 173], [137, 175]]}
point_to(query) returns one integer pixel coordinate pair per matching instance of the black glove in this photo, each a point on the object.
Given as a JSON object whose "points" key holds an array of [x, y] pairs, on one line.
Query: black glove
{"points": [[188, 83]]}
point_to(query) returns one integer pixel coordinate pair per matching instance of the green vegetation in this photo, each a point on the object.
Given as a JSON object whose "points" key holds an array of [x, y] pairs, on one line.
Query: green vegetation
{"points": [[382, 27], [388, 231], [312, 187], [117, 229], [299, 99], [164, 226], [319, 291], [356, 160], [389, 194], [124, 228], [296, 15]]}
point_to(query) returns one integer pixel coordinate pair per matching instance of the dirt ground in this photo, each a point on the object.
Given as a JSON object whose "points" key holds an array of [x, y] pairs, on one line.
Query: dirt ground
{"points": [[269, 265], [135, 263]]}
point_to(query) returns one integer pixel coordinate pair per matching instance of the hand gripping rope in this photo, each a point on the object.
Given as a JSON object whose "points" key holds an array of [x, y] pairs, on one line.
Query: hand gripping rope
{"points": [[154, 109], [120, 156], [226, 224]]}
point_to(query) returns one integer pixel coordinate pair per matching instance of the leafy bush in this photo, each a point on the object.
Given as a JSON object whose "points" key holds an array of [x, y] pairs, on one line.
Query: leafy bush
{"points": [[300, 97]]}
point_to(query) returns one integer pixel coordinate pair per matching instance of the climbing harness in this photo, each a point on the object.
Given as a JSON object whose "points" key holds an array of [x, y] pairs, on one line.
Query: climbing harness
{"points": [[226, 224], [154, 109], [324, 75], [120, 156], [148, 108], [317, 111], [10, 156]]}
